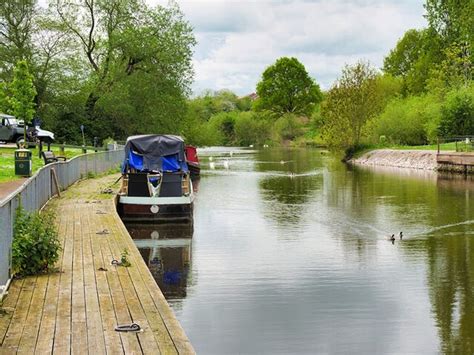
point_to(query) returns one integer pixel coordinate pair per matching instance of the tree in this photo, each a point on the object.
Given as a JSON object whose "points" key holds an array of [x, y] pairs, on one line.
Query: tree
{"points": [[413, 58], [16, 27], [22, 93], [352, 102], [139, 60], [286, 87]]}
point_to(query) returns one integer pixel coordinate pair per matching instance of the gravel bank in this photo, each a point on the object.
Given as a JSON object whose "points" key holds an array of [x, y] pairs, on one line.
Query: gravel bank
{"points": [[413, 159]]}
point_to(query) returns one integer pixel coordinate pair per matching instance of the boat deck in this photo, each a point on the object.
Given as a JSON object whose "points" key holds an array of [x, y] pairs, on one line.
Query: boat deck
{"points": [[77, 309]]}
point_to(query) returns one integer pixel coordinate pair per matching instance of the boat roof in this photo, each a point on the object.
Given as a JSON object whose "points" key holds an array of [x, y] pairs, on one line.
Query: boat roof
{"points": [[154, 146]]}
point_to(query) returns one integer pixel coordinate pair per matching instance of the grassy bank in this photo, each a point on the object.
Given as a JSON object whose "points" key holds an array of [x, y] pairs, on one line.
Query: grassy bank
{"points": [[7, 161]]}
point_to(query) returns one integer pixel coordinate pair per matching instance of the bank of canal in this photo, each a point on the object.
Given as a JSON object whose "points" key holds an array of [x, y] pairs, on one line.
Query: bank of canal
{"points": [[77, 309], [289, 254]]}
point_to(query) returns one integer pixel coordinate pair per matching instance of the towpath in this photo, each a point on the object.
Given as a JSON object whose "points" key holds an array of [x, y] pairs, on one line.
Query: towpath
{"points": [[77, 309]]}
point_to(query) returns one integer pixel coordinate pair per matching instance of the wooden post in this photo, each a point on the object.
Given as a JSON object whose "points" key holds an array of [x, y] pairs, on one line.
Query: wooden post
{"points": [[40, 148], [61, 149], [55, 180], [84, 149], [438, 144]]}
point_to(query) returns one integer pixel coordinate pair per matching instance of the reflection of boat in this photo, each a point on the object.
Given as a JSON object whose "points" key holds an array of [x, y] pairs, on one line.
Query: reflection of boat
{"points": [[193, 161], [166, 249], [156, 183]]}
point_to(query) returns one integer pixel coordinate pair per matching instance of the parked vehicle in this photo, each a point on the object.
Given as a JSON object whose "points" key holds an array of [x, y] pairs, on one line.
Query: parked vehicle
{"points": [[13, 130], [156, 184]]}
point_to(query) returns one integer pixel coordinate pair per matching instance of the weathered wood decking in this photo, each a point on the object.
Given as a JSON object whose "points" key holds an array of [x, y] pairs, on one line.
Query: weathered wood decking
{"points": [[77, 309], [456, 158]]}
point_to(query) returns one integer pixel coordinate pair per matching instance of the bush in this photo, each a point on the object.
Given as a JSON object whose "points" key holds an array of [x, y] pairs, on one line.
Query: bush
{"points": [[251, 129], [36, 245], [457, 113], [411, 121], [287, 127]]}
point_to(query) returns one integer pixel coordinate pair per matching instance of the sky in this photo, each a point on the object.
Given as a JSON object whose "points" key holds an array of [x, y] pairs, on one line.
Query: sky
{"points": [[237, 40]]}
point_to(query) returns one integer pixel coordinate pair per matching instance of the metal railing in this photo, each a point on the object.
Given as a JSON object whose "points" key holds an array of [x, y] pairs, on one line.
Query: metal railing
{"points": [[461, 144], [38, 189]]}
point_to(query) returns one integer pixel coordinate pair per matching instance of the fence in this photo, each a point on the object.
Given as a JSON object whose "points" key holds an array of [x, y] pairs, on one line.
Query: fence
{"points": [[463, 144], [38, 189]]}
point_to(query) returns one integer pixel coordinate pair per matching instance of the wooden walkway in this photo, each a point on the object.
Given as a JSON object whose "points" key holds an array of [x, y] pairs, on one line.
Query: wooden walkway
{"points": [[76, 310]]}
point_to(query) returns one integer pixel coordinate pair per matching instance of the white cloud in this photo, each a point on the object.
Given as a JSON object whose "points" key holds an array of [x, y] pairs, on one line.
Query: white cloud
{"points": [[237, 40]]}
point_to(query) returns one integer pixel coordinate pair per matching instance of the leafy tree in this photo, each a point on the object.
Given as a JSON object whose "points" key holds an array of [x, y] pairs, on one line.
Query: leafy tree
{"points": [[137, 56], [286, 87], [349, 105], [458, 113], [22, 93], [16, 27], [413, 58]]}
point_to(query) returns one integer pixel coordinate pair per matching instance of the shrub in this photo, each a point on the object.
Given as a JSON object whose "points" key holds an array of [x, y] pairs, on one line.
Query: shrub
{"points": [[36, 245], [457, 113], [287, 127], [251, 129], [411, 121]]}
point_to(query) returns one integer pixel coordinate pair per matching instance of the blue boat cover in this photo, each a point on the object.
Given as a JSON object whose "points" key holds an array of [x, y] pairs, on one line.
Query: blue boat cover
{"points": [[169, 163], [152, 153]]}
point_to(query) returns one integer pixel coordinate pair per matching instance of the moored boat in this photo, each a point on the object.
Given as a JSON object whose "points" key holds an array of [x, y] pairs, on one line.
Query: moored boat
{"points": [[156, 184], [193, 161]]}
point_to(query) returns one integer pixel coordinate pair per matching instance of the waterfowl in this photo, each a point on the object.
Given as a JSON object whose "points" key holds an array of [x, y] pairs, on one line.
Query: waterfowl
{"points": [[401, 235], [212, 165], [392, 238], [226, 164]]}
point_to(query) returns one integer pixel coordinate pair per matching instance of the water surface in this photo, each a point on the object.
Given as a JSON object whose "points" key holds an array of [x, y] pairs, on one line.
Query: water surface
{"points": [[289, 254]]}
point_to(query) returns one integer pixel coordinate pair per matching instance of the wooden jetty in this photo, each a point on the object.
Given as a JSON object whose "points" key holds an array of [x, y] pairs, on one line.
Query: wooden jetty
{"points": [[77, 309], [455, 158]]}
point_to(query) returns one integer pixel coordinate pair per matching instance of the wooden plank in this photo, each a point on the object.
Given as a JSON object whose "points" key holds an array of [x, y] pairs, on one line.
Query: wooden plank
{"points": [[8, 306], [62, 336], [30, 332], [48, 320], [130, 341], [17, 325], [113, 341], [156, 324], [79, 340], [95, 334], [148, 342]]}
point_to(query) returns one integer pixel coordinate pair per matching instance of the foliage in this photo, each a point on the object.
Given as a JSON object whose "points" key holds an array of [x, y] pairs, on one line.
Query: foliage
{"points": [[252, 129], [458, 113], [350, 104], [410, 121], [286, 87], [36, 245], [21, 101], [124, 258], [287, 128]]}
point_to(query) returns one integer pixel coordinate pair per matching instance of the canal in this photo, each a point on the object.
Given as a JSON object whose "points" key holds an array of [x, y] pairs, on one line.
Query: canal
{"points": [[289, 253]]}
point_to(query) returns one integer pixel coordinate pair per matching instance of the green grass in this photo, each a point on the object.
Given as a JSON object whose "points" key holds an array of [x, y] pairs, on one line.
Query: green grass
{"points": [[7, 161], [443, 146]]}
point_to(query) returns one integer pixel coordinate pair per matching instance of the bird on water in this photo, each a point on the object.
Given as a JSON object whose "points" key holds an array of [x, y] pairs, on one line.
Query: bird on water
{"points": [[401, 235], [392, 239]]}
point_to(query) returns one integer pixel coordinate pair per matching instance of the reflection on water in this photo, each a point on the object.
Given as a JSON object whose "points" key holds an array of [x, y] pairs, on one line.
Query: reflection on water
{"points": [[166, 249], [290, 255]]}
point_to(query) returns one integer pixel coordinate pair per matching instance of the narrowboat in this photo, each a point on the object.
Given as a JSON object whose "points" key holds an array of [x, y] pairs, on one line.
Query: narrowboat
{"points": [[193, 162], [156, 182]]}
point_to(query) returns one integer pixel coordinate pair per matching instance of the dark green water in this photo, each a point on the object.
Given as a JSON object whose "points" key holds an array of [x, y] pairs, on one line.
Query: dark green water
{"points": [[294, 258]]}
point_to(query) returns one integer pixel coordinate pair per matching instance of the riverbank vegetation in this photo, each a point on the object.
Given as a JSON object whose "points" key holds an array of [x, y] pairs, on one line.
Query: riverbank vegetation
{"points": [[123, 67]]}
